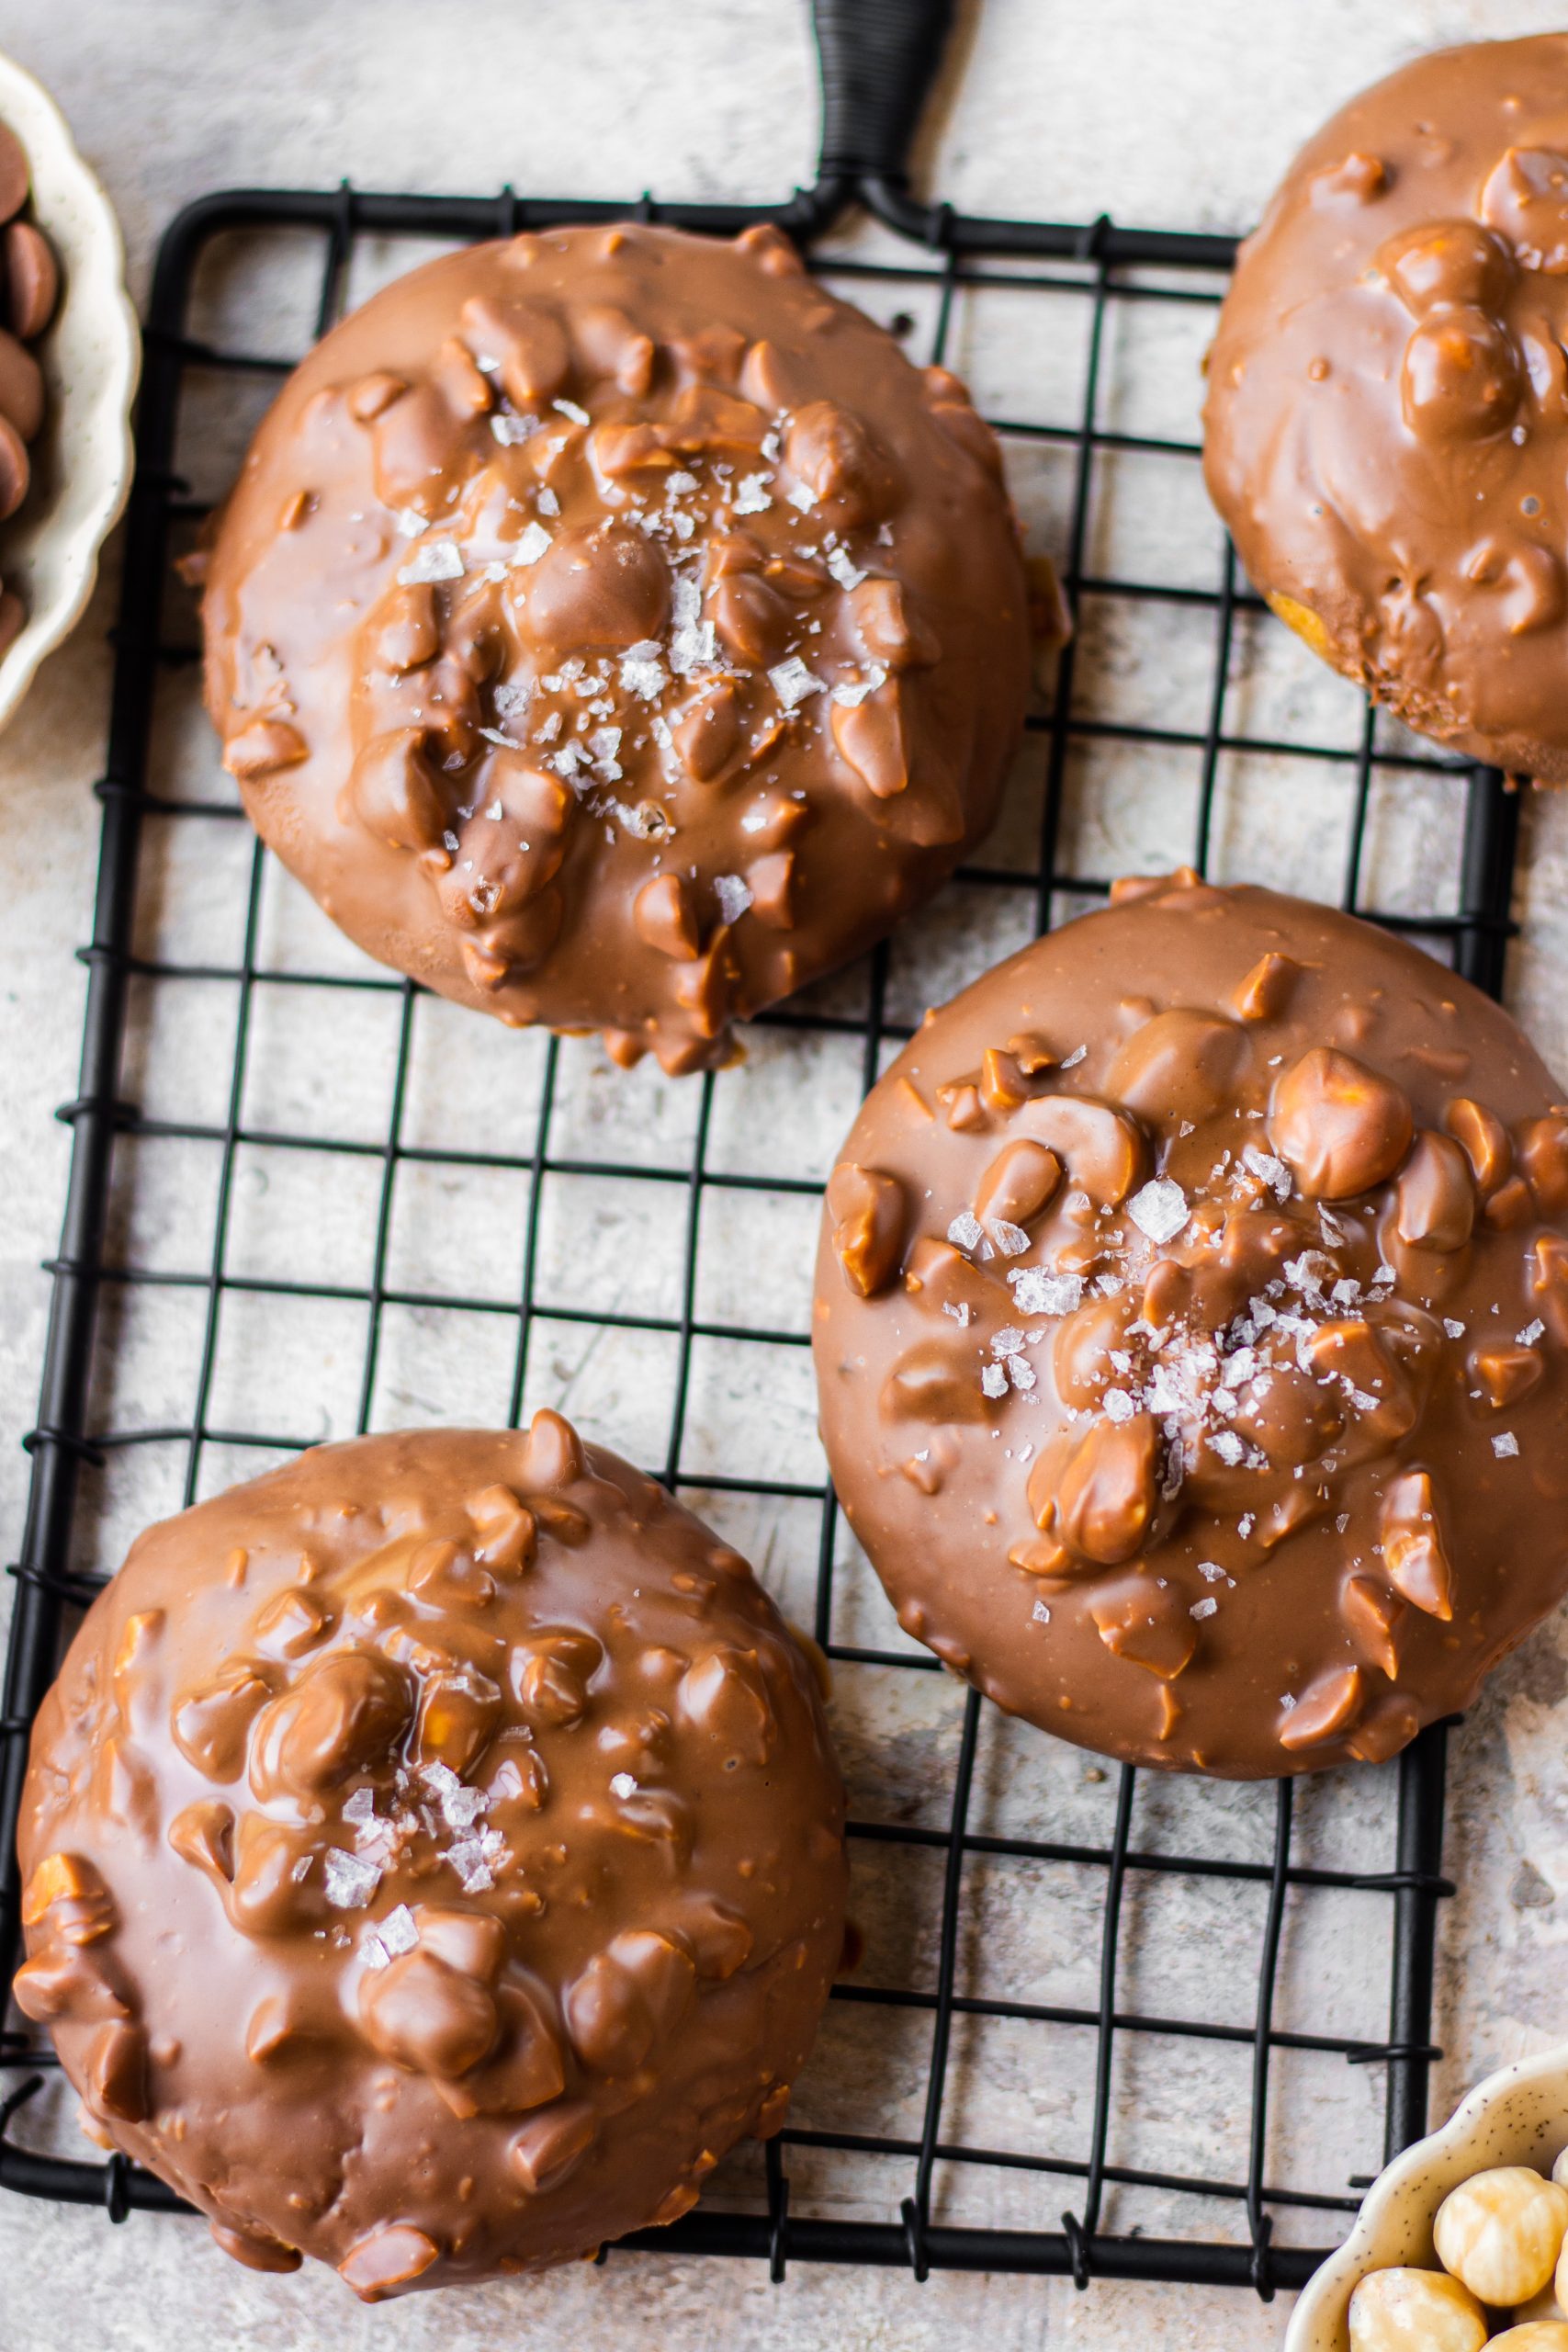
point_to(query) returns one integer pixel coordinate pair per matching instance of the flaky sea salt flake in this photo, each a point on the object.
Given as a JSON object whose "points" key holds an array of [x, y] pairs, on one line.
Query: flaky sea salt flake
{"points": [[533, 543], [642, 670], [794, 683], [1505, 1445], [350, 1882], [398, 1930], [965, 1231], [1010, 1239], [994, 1380], [848, 574], [733, 894], [1160, 1209], [1035, 1291], [436, 560], [1274, 1172]]}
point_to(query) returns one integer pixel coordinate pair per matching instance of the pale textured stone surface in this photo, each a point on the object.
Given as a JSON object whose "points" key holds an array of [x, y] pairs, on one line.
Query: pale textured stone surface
{"points": [[1176, 117]]}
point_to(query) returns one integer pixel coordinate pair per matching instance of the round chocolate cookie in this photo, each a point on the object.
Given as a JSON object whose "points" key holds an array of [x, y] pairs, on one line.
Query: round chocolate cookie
{"points": [[1191, 1321], [433, 1857], [1387, 420], [613, 630]]}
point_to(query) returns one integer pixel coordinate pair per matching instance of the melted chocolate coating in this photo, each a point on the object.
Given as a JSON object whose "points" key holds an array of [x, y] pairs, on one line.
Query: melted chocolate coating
{"points": [[1192, 1309], [1387, 418], [433, 1857], [615, 631]]}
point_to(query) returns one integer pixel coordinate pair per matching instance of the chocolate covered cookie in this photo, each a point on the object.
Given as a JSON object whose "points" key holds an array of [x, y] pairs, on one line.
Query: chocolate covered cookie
{"points": [[433, 1857], [1387, 419], [1192, 1332], [615, 631]]}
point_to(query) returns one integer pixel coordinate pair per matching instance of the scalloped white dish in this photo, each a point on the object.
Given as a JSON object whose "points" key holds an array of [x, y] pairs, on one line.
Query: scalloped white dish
{"points": [[90, 357], [1517, 2117]]}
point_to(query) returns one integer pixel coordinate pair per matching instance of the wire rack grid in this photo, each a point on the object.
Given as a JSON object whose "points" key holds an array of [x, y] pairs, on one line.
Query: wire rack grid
{"points": [[898, 2153]]}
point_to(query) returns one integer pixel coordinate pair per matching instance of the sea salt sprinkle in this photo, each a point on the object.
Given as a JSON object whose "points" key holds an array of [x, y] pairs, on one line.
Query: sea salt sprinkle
{"points": [[1505, 1445], [398, 1930], [642, 670], [691, 637], [1160, 1209], [350, 1882], [460, 1808], [733, 894], [1036, 1291], [397, 1934], [1274, 1172], [965, 1231], [794, 683], [850, 693], [474, 1858], [535, 542], [436, 560]]}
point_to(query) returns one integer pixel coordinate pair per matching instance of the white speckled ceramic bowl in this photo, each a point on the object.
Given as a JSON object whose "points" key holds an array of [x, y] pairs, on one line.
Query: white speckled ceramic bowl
{"points": [[90, 357], [1518, 2116]]}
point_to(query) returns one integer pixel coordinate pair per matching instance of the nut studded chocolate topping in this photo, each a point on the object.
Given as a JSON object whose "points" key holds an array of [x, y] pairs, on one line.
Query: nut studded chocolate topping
{"points": [[1190, 1331], [1387, 419], [615, 631], [433, 1857]]}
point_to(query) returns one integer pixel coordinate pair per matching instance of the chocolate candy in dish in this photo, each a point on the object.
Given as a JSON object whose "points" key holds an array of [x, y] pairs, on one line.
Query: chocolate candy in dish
{"points": [[1190, 1327], [433, 1857], [1386, 430], [616, 632], [29, 289]]}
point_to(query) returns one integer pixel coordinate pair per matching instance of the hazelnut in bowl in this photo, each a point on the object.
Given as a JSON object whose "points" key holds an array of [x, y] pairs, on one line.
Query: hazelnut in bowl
{"points": [[70, 357], [1461, 2242]]}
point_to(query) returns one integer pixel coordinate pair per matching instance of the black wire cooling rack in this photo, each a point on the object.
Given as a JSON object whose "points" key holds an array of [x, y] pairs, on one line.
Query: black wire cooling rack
{"points": [[926, 2191]]}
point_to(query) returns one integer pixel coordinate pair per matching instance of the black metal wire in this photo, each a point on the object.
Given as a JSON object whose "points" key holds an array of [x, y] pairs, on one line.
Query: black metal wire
{"points": [[953, 260]]}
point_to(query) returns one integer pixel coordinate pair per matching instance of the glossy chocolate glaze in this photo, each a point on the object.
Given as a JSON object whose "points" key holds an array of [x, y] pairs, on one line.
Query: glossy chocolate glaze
{"points": [[433, 1857], [615, 631], [1387, 419], [1192, 1309]]}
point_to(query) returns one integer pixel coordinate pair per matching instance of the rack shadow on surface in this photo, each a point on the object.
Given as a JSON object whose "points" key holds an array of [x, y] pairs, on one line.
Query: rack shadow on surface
{"points": [[188, 1234]]}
